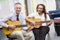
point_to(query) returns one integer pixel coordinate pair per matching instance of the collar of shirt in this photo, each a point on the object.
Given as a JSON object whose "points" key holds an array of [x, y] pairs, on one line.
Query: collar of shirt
{"points": [[18, 14], [38, 16]]}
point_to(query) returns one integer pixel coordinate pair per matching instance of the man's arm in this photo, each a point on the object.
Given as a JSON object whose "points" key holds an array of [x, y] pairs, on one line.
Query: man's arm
{"points": [[2, 22]]}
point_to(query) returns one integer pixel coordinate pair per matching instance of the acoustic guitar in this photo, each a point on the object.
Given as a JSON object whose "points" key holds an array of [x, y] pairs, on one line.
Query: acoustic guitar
{"points": [[37, 21], [18, 25]]}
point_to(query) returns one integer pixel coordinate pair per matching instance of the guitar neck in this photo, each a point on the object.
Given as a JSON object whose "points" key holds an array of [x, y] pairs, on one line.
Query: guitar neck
{"points": [[31, 24], [20, 25], [42, 21]]}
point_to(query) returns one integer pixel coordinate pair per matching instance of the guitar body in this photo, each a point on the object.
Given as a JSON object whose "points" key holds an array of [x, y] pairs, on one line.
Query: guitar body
{"points": [[36, 20], [8, 31]]}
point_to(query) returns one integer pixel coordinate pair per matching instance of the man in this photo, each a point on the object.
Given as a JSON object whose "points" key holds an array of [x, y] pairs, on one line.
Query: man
{"points": [[17, 15]]}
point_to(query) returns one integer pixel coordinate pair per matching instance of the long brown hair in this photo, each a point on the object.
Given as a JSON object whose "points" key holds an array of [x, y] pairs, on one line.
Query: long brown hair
{"points": [[44, 10]]}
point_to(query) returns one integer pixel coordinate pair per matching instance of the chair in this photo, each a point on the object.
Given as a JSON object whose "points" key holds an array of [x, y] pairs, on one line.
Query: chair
{"points": [[10, 38]]}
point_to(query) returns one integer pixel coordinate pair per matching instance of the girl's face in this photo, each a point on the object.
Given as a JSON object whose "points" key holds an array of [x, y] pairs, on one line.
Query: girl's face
{"points": [[40, 9]]}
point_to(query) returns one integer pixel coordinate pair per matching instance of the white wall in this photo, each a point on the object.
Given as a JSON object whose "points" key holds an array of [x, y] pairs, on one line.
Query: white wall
{"points": [[50, 5], [7, 7], [30, 7], [4, 8]]}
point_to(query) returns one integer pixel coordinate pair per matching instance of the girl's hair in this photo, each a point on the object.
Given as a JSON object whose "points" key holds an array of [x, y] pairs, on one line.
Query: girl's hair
{"points": [[44, 10]]}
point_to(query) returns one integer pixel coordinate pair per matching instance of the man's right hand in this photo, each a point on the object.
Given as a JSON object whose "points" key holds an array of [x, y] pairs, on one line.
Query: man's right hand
{"points": [[12, 27], [0, 26]]}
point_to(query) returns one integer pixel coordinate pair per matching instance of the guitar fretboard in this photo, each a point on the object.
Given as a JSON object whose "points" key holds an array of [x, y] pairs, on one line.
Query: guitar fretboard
{"points": [[20, 25], [42, 21]]}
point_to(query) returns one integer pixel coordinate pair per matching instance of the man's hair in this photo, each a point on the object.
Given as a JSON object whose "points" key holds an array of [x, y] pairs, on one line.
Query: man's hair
{"points": [[17, 3]]}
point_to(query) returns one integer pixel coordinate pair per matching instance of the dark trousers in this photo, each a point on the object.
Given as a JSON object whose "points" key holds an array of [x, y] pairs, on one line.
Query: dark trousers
{"points": [[40, 33]]}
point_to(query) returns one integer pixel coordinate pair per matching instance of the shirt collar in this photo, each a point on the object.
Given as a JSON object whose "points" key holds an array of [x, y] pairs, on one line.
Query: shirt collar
{"points": [[39, 15], [19, 13]]}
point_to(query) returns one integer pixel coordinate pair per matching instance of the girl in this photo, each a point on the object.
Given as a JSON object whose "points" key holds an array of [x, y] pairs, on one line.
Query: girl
{"points": [[40, 33]]}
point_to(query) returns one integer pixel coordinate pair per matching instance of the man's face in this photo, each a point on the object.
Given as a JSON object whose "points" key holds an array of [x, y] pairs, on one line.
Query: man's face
{"points": [[18, 8]]}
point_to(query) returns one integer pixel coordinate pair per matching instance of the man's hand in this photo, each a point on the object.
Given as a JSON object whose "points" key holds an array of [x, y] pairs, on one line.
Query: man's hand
{"points": [[0, 26], [12, 27]]}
